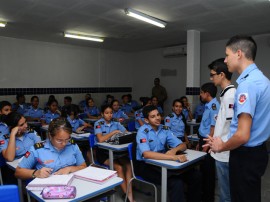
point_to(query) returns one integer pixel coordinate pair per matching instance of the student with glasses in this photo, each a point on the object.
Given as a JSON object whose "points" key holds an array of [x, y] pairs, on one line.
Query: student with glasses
{"points": [[57, 155]]}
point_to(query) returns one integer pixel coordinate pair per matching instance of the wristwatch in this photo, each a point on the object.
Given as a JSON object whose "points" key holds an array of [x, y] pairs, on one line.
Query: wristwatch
{"points": [[33, 174]]}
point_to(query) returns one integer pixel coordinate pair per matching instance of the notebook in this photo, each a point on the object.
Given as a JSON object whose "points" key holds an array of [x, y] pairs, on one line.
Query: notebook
{"points": [[53, 180], [96, 175]]}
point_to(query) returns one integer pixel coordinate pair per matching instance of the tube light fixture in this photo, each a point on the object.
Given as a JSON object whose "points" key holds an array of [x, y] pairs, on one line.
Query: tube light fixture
{"points": [[145, 18], [3, 24], [83, 37]]}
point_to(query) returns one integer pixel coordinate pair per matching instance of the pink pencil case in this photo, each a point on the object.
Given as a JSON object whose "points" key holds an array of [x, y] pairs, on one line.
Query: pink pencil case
{"points": [[59, 192]]}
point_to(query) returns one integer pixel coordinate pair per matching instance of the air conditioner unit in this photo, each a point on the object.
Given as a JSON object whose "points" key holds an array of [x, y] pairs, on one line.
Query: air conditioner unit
{"points": [[175, 51]]}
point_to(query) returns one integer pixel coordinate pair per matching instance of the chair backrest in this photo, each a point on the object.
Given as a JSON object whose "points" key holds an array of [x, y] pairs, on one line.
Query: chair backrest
{"points": [[91, 139], [131, 126], [9, 193], [130, 151]]}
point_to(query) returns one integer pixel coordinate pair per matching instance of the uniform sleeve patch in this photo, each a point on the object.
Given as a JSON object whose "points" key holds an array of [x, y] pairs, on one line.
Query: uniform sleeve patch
{"points": [[146, 130], [230, 106], [27, 154], [214, 106], [143, 140], [242, 98], [167, 120], [2, 142], [98, 126]]}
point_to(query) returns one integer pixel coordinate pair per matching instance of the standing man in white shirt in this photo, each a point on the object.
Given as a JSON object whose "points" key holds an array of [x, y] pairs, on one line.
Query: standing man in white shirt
{"points": [[221, 76]]}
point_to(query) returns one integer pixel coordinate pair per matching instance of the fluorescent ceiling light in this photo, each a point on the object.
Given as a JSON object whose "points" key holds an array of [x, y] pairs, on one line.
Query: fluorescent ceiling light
{"points": [[145, 18], [83, 37], [3, 24]]}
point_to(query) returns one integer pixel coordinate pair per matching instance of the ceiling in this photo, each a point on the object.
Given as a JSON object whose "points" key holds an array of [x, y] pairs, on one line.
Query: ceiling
{"points": [[46, 20]]}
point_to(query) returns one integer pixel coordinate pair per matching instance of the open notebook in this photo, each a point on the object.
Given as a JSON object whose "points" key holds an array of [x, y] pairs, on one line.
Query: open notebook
{"points": [[96, 175], [53, 180]]}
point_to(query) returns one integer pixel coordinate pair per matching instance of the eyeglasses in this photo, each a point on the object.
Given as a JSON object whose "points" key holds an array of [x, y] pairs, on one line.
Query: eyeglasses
{"points": [[62, 141], [212, 75]]}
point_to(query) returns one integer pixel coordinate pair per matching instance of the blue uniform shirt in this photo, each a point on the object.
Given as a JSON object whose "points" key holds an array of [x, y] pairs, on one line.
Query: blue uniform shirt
{"points": [[199, 110], [34, 113], [93, 111], [127, 108], [75, 123], [49, 116], [120, 114], [185, 112], [209, 117], [44, 154], [176, 124], [21, 109], [150, 140], [102, 127], [3, 129], [138, 116], [253, 97], [23, 144]]}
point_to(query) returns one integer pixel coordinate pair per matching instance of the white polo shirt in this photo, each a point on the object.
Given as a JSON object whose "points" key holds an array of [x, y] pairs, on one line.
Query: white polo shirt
{"points": [[225, 114]]}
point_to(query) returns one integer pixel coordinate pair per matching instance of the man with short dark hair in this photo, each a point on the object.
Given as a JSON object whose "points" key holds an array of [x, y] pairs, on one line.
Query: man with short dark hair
{"points": [[249, 128], [160, 92]]}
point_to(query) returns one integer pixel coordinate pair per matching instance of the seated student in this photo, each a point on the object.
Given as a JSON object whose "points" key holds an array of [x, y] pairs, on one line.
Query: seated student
{"points": [[139, 118], [83, 103], [67, 102], [34, 113], [5, 109], [46, 106], [134, 104], [176, 121], [186, 108], [126, 106], [117, 113], [52, 113], [57, 155], [108, 100], [105, 128], [152, 140], [20, 106], [154, 101], [16, 144], [76, 123], [91, 110]]}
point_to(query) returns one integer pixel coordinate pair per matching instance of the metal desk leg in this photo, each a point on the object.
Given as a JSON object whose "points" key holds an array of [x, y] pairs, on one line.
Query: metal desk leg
{"points": [[111, 159], [163, 184], [191, 130], [20, 189]]}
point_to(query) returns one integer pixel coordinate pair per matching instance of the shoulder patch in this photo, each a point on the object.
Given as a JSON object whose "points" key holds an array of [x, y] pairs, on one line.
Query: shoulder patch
{"points": [[6, 136], [146, 130], [115, 120], [242, 98], [214, 106], [101, 123], [167, 120], [27, 154], [171, 115], [72, 141], [2, 142], [31, 130], [39, 145], [165, 127]]}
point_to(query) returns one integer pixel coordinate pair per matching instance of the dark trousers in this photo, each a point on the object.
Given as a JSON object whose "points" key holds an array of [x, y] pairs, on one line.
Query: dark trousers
{"points": [[208, 175], [175, 183], [247, 165]]}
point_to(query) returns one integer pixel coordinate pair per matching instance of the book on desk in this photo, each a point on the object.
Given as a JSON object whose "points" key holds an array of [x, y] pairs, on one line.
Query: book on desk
{"points": [[92, 174]]}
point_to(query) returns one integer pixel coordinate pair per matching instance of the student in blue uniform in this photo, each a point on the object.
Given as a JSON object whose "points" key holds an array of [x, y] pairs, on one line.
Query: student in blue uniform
{"points": [[117, 113], [139, 118], [105, 128], [134, 104], [57, 155], [126, 106], [46, 105], [108, 100], [52, 113], [5, 109], [91, 110], [34, 113], [249, 129], [186, 108], [208, 94], [83, 103], [152, 140], [20, 106], [176, 121], [16, 144], [199, 111], [154, 101], [76, 123]]}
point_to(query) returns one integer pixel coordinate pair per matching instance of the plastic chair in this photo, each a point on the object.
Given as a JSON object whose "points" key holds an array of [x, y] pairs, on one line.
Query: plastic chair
{"points": [[136, 177], [131, 126], [2, 163], [92, 143], [9, 193]]}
